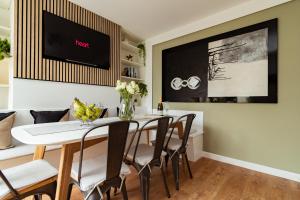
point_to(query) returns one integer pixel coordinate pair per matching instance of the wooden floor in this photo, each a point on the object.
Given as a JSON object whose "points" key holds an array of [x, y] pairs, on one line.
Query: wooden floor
{"points": [[214, 180]]}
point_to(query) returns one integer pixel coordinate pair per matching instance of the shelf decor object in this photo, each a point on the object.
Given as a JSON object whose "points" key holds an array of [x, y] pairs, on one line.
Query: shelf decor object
{"points": [[239, 66]]}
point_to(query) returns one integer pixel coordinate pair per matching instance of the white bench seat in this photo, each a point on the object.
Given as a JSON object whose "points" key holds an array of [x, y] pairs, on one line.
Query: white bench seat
{"points": [[20, 150]]}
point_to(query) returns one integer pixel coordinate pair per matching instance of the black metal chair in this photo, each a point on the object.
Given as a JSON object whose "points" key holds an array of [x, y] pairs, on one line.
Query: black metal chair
{"points": [[33, 178], [98, 175], [144, 157], [177, 146]]}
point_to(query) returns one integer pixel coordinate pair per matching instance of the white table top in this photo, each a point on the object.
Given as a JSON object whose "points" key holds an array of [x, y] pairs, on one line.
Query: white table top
{"points": [[28, 134]]}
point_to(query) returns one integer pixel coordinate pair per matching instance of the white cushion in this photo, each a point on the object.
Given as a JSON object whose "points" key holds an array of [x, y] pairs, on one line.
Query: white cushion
{"points": [[26, 174], [193, 131], [143, 155], [21, 149], [93, 171], [174, 143]]}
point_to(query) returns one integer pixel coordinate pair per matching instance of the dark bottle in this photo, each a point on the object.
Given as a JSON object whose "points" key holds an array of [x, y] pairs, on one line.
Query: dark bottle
{"points": [[160, 108]]}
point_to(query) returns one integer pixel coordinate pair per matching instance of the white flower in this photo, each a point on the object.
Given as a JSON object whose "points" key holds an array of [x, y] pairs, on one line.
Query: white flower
{"points": [[123, 85], [130, 89]]}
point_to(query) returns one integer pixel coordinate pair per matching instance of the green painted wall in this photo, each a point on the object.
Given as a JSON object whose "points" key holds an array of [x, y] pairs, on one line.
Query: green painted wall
{"points": [[267, 134]]}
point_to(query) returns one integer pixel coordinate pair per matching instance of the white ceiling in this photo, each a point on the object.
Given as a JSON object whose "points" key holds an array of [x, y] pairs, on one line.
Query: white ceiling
{"points": [[148, 18]]}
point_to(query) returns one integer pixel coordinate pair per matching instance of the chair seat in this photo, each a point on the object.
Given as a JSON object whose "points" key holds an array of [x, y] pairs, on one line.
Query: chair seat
{"points": [[143, 155], [175, 131], [93, 172], [174, 143], [26, 174]]}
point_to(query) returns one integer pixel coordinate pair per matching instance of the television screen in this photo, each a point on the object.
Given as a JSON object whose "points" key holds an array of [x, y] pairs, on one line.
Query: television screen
{"points": [[68, 41]]}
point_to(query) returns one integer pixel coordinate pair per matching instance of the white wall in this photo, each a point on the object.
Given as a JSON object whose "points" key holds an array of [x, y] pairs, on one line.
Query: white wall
{"points": [[33, 94]]}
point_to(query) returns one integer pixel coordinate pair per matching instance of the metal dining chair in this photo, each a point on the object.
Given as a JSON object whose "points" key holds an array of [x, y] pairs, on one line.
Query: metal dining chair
{"points": [[145, 157], [33, 178], [176, 147], [96, 176]]}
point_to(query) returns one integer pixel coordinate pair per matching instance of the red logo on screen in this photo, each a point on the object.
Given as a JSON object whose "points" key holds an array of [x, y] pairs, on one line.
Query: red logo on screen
{"points": [[82, 44]]}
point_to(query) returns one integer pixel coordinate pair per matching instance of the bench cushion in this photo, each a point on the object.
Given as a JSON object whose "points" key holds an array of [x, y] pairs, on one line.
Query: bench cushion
{"points": [[48, 116], [26, 174], [6, 123]]}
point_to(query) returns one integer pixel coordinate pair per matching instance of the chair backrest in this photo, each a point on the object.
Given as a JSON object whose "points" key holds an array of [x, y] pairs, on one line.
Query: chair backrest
{"points": [[188, 118], [10, 187], [163, 125], [117, 137]]}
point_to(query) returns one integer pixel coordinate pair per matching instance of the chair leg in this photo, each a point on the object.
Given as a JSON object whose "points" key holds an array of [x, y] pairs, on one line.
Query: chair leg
{"points": [[188, 165], [175, 166], [70, 191], [124, 191], [108, 194], [93, 196], [166, 160], [115, 191], [53, 191], [145, 183], [165, 182], [38, 197]]}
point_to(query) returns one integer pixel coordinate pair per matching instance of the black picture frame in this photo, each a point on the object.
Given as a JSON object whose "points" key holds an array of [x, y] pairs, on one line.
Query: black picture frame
{"points": [[191, 57]]}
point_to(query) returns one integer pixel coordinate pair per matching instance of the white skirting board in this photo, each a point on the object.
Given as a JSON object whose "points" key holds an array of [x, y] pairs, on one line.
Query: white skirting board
{"points": [[252, 166]]}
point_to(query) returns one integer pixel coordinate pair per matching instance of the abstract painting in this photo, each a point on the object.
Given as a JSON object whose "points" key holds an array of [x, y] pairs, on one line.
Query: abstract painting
{"points": [[237, 66]]}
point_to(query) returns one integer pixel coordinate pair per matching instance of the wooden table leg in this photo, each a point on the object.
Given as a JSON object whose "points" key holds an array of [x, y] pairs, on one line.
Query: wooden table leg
{"points": [[148, 137], [65, 165], [39, 152]]}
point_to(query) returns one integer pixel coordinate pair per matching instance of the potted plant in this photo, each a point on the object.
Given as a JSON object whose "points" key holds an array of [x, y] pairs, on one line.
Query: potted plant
{"points": [[4, 48], [142, 52]]}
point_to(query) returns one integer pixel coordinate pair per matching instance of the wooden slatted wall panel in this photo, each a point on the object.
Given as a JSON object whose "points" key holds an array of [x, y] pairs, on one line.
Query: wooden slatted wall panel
{"points": [[28, 60]]}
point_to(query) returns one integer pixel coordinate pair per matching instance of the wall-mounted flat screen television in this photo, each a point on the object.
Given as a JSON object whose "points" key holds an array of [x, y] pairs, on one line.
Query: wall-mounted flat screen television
{"points": [[70, 42]]}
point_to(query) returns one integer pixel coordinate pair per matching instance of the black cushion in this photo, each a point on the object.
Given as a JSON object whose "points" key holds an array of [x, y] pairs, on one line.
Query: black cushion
{"points": [[47, 116], [103, 113], [4, 115]]}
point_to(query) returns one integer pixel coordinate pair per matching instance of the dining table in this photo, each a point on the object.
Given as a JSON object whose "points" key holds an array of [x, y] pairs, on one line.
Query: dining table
{"points": [[68, 134]]}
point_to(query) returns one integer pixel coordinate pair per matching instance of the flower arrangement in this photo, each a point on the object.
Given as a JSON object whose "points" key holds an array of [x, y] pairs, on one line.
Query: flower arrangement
{"points": [[127, 91]]}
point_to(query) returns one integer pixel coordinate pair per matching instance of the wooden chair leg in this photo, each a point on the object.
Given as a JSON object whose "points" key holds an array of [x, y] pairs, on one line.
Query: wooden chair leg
{"points": [[175, 166], [165, 182], [188, 165], [124, 191]]}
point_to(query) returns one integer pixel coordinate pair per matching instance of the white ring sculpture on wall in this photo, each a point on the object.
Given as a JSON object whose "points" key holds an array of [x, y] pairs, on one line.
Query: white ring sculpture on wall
{"points": [[193, 83]]}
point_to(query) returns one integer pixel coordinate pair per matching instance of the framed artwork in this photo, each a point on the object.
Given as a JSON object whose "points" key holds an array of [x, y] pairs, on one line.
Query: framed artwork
{"points": [[239, 66]]}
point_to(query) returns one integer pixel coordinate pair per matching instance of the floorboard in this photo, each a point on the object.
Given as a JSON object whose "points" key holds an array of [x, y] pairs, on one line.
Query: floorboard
{"points": [[213, 180]]}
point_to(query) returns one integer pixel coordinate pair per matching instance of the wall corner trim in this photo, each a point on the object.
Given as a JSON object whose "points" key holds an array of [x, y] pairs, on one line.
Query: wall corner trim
{"points": [[229, 14], [253, 166]]}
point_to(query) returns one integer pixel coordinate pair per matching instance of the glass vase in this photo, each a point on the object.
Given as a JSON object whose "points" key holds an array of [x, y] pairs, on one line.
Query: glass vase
{"points": [[126, 109]]}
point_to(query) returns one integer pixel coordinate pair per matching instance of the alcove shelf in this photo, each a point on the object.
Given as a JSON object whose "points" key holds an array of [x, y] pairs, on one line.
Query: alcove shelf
{"points": [[134, 64]]}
